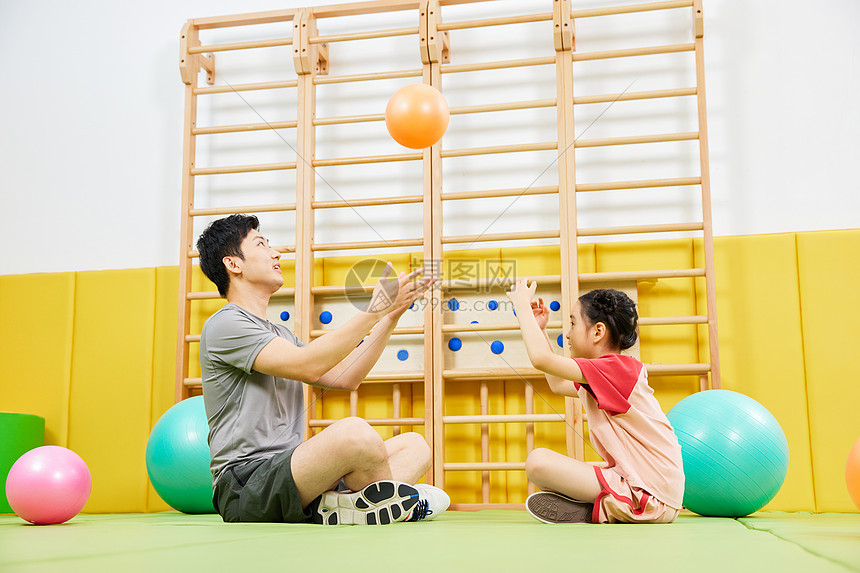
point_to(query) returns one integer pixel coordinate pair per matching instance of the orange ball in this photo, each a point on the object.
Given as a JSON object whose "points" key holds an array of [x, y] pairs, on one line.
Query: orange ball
{"points": [[416, 116], [852, 473]]}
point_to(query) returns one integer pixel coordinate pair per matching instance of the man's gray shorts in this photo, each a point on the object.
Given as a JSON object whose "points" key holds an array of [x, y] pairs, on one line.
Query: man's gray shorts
{"points": [[261, 491]]}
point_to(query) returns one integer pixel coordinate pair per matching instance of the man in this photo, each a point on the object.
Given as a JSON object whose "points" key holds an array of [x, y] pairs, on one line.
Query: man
{"points": [[253, 372]]}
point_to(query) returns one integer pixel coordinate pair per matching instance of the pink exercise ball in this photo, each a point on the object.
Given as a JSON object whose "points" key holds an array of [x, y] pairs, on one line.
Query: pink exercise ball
{"points": [[47, 485]]}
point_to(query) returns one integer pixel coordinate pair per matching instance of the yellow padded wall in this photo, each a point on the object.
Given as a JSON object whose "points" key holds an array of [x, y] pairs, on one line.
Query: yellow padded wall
{"points": [[761, 345], [164, 358], [36, 332], [829, 287], [110, 398]]}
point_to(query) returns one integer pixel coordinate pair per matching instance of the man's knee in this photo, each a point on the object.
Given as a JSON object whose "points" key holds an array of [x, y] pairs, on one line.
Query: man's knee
{"points": [[417, 444], [356, 436]]}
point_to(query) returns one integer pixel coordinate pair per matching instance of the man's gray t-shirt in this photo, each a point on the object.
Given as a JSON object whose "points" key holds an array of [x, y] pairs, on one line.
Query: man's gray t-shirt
{"points": [[251, 415]]}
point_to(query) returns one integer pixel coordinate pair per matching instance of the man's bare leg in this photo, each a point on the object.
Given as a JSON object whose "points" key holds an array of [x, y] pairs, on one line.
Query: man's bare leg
{"points": [[350, 450], [409, 456]]}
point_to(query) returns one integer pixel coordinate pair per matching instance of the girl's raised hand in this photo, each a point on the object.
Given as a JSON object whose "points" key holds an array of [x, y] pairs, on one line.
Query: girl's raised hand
{"points": [[521, 292], [541, 313]]}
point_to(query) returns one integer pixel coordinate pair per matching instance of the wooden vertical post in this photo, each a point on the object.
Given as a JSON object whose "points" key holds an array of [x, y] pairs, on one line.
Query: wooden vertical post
{"points": [[708, 240], [564, 41], [189, 65], [434, 384], [305, 143]]}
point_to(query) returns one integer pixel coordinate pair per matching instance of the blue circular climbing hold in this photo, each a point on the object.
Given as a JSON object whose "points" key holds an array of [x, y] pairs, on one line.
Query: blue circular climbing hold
{"points": [[453, 304], [285, 316], [493, 305], [455, 344], [554, 305], [411, 306], [474, 322], [402, 355], [325, 317], [560, 340], [497, 347]]}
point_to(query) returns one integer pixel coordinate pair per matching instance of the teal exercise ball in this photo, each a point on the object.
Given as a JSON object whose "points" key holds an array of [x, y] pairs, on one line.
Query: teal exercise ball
{"points": [[177, 457], [734, 452]]}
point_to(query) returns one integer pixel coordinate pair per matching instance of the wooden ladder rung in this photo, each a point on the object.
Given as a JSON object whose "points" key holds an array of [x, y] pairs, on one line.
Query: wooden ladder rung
{"points": [[484, 466], [406, 376], [639, 275], [629, 53], [274, 208], [629, 9], [500, 282], [243, 127], [485, 108], [245, 87], [323, 423], [321, 80], [368, 159], [491, 373], [362, 35], [208, 295], [491, 150], [367, 245], [632, 96], [499, 65], [677, 369], [403, 199], [640, 184], [500, 237], [637, 139], [494, 193], [243, 168], [503, 419], [492, 327], [349, 119], [399, 331], [341, 290], [640, 229], [671, 320], [524, 19], [280, 248], [211, 48]]}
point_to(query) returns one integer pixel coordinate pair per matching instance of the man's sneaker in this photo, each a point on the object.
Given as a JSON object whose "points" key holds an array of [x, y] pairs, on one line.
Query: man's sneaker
{"points": [[432, 501], [551, 507], [380, 503]]}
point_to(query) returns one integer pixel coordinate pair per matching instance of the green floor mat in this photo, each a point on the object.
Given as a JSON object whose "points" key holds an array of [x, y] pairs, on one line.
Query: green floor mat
{"points": [[456, 541], [834, 536]]}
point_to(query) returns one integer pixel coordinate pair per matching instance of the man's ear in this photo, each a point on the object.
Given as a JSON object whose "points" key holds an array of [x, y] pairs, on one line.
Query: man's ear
{"points": [[232, 265]]}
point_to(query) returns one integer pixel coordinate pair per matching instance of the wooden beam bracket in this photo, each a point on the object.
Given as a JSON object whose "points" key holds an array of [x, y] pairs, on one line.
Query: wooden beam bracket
{"points": [[190, 64], [308, 57], [698, 19], [563, 36]]}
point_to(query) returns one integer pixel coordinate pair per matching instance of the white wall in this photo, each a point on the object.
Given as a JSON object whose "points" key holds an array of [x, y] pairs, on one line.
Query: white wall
{"points": [[91, 123]]}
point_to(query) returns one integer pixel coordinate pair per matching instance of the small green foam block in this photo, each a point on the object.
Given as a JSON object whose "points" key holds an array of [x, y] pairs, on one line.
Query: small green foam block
{"points": [[21, 433]]}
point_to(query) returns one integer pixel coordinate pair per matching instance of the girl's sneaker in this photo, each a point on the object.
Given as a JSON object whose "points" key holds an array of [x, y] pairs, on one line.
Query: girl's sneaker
{"points": [[551, 507]]}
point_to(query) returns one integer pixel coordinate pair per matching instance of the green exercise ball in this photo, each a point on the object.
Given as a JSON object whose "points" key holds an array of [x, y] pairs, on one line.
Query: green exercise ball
{"points": [[734, 452], [177, 457]]}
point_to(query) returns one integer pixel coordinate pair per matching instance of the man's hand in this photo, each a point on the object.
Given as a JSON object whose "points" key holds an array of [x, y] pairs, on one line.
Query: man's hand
{"points": [[395, 296]]}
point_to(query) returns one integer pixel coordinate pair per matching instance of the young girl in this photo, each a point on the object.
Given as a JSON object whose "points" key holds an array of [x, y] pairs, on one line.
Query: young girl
{"points": [[644, 479]]}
